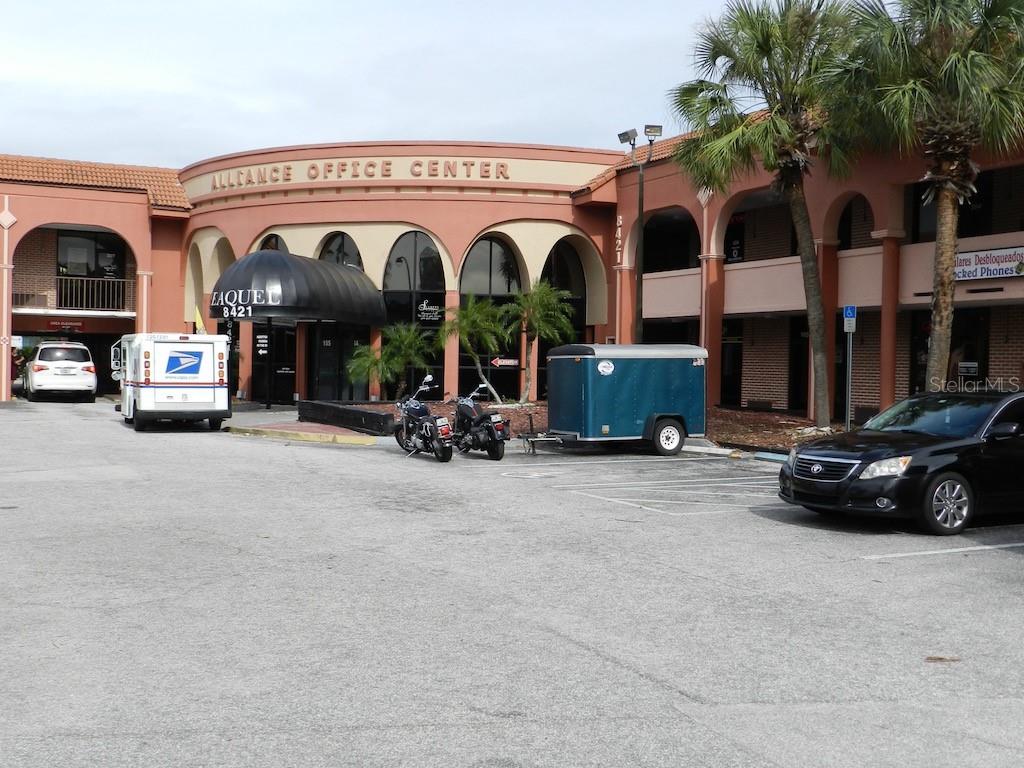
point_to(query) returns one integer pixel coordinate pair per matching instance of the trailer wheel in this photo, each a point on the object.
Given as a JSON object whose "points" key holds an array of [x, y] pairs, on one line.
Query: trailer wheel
{"points": [[668, 437], [139, 423], [215, 424]]}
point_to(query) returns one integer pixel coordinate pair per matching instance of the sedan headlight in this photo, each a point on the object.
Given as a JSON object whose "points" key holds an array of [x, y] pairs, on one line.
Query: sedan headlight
{"points": [[792, 457], [893, 467]]}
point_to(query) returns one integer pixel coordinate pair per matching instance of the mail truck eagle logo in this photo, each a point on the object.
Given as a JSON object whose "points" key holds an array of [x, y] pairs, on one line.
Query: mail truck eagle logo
{"points": [[183, 363]]}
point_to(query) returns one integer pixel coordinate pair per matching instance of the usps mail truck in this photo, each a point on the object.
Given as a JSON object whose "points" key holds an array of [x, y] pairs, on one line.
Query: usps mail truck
{"points": [[170, 376]]}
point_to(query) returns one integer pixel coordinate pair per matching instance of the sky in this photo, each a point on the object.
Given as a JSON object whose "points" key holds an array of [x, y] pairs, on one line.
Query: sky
{"points": [[171, 83]]}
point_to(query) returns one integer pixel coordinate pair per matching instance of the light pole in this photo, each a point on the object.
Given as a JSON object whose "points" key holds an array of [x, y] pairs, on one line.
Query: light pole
{"points": [[629, 137]]}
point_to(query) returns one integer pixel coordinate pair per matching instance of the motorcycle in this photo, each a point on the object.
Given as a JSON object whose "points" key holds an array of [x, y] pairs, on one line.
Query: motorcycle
{"points": [[417, 431], [475, 429]]}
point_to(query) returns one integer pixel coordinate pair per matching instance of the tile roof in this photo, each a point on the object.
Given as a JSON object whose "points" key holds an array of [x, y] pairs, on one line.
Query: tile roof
{"points": [[161, 184], [661, 150]]}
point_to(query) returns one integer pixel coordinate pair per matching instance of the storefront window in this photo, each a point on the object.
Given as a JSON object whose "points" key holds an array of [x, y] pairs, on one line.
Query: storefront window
{"points": [[563, 270], [414, 292], [90, 254], [339, 248], [491, 272]]}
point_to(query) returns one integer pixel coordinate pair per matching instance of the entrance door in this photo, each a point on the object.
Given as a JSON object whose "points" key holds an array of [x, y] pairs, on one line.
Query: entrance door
{"points": [[798, 362], [278, 352], [968, 348], [331, 349], [732, 362]]}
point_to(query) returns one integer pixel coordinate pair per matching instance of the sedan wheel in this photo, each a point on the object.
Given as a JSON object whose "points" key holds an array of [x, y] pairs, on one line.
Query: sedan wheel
{"points": [[948, 505]]}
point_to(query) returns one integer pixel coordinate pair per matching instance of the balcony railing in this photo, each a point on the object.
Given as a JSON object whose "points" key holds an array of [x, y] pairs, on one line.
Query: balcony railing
{"points": [[82, 293]]}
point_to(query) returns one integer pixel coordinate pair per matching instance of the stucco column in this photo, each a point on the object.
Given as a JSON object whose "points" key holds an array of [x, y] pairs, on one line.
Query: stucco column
{"points": [[890, 309], [712, 312], [245, 359], [375, 345], [624, 317], [828, 274], [7, 220], [451, 349], [142, 309]]}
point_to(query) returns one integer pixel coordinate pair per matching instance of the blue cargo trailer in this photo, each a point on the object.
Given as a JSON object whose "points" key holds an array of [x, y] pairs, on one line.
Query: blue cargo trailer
{"points": [[627, 392]]}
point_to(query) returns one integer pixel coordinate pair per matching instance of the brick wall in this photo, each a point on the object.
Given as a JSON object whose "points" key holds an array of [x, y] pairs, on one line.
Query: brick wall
{"points": [[902, 355], [767, 233], [35, 269], [1006, 344], [866, 360], [766, 361]]}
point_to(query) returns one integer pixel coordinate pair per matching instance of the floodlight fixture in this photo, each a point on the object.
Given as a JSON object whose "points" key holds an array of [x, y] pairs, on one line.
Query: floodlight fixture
{"points": [[628, 137], [652, 131]]}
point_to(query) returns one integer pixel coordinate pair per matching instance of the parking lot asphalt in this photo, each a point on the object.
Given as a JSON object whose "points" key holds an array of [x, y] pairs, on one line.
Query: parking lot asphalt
{"points": [[181, 597]]}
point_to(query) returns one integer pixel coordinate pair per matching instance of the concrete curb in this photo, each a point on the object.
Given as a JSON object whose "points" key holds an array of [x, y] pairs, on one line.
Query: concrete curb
{"points": [[732, 453], [305, 437], [779, 458]]}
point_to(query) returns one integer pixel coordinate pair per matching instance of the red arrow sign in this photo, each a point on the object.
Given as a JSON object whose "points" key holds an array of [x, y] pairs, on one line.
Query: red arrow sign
{"points": [[498, 362]]}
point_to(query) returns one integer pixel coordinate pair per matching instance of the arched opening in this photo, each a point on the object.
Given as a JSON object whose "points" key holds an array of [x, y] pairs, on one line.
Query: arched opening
{"points": [[491, 271], [564, 270], [273, 242], [340, 248], [75, 282], [856, 222], [414, 292], [671, 241]]}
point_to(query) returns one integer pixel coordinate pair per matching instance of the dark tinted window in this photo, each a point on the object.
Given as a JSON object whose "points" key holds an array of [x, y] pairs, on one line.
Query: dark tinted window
{"points": [[490, 270], [68, 354], [414, 265], [273, 243], [1014, 412], [91, 254], [341, 249], [942, 415]]}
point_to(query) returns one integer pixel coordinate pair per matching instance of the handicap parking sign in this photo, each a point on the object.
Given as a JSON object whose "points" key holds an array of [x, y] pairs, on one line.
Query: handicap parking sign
{"points": [[850, 312]]}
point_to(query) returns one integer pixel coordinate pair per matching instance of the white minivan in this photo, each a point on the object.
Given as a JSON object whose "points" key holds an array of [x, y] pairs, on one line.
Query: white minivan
{"points": [[61, 367]]}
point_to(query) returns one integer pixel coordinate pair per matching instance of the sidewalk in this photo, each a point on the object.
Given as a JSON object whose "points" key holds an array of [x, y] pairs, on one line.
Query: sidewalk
{"points": [[281, 423]]}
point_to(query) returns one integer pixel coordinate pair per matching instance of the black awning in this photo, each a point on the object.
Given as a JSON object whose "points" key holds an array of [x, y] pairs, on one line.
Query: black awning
{"points": [[272, 284]]}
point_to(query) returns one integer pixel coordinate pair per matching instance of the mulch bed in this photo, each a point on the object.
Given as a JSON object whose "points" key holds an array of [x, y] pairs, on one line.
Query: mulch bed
{"points": [[519, 415], [726, 426]]}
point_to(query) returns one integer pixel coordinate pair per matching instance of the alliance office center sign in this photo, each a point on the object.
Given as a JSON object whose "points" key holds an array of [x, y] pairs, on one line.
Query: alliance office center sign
{"points": [[296, 173], [993, 263]]}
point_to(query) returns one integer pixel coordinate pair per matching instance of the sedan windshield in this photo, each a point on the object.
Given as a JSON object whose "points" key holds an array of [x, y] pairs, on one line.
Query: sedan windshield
{"points": [[940, 415]]}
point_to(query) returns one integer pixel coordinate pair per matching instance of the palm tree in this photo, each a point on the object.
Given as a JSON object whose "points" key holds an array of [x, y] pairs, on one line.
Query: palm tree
{"points": [[543, 313], [945, 79], [403, 346], [481, 328], [761, 101]]}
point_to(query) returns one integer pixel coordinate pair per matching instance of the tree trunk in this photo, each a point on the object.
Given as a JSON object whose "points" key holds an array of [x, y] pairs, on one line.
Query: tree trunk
{"points": [[943, 285], [483, 379], [812, 297], [525, 398]]}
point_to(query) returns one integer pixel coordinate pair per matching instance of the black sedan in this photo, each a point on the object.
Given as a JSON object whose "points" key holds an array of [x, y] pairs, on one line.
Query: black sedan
{"points": [[937, 458]]}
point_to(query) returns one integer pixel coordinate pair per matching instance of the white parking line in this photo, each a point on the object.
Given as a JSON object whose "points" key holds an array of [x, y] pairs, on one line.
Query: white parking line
{"points": [[670, 483], [683, 501], [647, 508], [980, 548], [584, 462]]}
